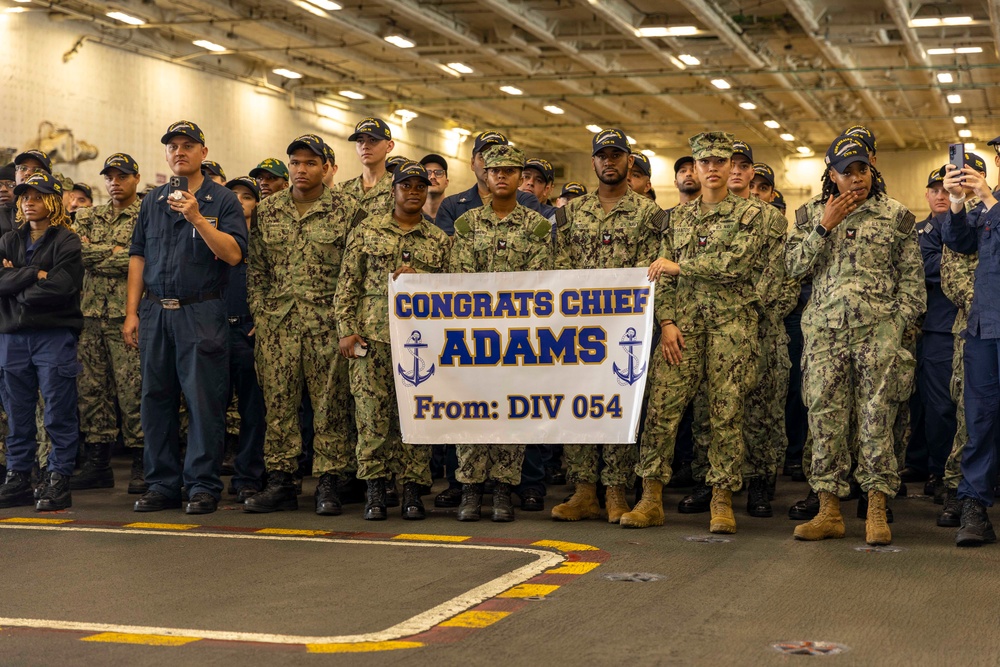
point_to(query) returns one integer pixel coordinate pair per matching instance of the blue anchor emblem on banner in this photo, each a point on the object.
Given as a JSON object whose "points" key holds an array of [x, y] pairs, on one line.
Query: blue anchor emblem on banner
{"points": [[413, 346], [632, 348]]}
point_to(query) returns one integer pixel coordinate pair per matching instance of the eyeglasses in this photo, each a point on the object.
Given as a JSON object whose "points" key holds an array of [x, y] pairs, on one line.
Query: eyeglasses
{"points": [[436, 173], [22, 168], [7, 185]]}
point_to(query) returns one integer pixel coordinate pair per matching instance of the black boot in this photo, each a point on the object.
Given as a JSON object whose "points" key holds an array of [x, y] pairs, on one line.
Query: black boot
{"points": [[470, 507], [503, 510], [951, 515], [698, 502], [412, 506], [278, 495], [976, 528], [375, 500], [56, 495], [327, 500], [16, 490], [863, 509], [450, 497], [96, 472], [758, 504], [805, 509], [39, 480], [772, 485], [137, 476], [391, 492]]}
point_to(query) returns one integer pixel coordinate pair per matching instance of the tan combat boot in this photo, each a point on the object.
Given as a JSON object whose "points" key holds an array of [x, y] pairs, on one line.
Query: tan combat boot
{"points": [[877, 527], [723, 520], [582, 505], [826, 524], [649, 510], [615, 503]]}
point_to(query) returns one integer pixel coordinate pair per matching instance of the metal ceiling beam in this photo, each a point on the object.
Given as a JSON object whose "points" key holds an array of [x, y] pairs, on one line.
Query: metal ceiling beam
{"points": [[994, 8]]}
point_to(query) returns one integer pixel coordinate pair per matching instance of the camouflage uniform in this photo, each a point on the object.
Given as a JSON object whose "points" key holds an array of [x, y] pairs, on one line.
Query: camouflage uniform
{"points": [[291, 280], [628, 236], [714, 302], [868, 287], [485, 243], [958, 278], [377, 201], [375, 249], [110, 367]]}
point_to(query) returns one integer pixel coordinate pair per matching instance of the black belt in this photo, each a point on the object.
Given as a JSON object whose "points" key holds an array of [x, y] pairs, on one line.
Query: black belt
{"points": [[175, 304], [235, 320]]}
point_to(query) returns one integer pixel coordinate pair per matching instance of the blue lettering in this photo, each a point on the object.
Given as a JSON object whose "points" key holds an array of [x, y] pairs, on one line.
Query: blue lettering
{"points": [[454, 346], [592, 341], [519, 346], [487, 346], [403, 306], [563, 348]]}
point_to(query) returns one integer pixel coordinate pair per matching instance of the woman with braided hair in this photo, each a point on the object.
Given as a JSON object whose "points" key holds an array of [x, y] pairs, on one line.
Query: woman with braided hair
{"points": [[41, 274]]}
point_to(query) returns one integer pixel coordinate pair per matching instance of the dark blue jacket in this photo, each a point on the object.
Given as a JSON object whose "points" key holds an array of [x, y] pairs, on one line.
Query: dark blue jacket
{"points": [[941, 311], [976, 231], [454, 206]]}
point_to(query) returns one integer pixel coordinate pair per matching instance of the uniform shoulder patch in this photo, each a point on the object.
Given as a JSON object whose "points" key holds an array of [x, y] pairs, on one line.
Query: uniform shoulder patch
{"points": [[542, 229], [462, 225], [801, 216], [661, 220], [905, 221], [561, 217], [749, 213]]}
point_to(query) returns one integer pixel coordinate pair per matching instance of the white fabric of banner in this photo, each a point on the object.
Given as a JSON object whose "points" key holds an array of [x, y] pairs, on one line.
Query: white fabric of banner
{"points": [[521, 358]]}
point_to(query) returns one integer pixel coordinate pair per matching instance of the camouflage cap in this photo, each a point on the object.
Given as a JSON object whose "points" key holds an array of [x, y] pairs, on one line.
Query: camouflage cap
{"points": [[44, 183], [503, 156], [712, 144], [272, 166]]}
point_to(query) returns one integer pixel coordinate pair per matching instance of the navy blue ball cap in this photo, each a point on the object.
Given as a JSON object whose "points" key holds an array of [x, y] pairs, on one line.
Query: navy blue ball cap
{"points": [[373, 127], [845, 151], [641, 163], [310, 142], [42, 182], [544, 167], [36, 154], [489, 138], [410, 170], [612, 137], [123, 162], [85, 189], [247, 182], [184, 128]]}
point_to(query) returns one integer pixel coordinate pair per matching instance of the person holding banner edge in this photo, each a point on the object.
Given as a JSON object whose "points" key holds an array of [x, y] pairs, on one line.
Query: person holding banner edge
{"points": [[393, 244], [500, 236]]}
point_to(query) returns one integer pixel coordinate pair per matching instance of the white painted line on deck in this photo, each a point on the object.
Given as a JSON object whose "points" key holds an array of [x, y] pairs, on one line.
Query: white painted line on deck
{"points": [[412, 626]]}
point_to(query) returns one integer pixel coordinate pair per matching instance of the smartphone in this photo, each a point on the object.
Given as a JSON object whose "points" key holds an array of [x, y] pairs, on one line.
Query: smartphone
{"points": [[360, 350], [181, 183], [956, 155]]}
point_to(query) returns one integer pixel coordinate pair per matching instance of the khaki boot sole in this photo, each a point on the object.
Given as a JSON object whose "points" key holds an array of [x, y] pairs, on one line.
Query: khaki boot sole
{"points": [[636, 519], [615, 514], [825, 531], [567, 512], [877, 537], [722, 525]]}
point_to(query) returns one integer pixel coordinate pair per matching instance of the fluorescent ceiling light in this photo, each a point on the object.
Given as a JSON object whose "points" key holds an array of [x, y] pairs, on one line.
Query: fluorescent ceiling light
{"points": [[969, 49], [630, 140], [688, 59], [460, 67], [925, 23], [970, 147], [945, 77], [954, 98], [406, 114], [804, 150], [960, 120], [399, 40], [211, 46], [950, 51], [595, 128], [721, 84], [553, 109], [667, 31], [787, 137], [956, 20], [940, 52], [932, 22], [965, 134], [15, 10], [326, 4], [511, 90], [350, 94], [287, 73], [311, 8], [749, 106], [647, 153], [118, 16], [449, 70], [773, 124]]}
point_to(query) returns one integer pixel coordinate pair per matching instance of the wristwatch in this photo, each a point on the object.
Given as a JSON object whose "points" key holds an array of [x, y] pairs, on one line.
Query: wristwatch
{"points": [[822, 231]]}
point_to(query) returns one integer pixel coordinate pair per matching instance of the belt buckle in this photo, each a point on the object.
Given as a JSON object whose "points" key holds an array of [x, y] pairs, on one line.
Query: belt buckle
{"points": [[234, 320], [170, 304]]}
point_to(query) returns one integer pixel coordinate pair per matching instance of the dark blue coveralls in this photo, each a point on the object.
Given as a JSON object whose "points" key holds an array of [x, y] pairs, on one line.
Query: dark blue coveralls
{"points": [[184, 345]]}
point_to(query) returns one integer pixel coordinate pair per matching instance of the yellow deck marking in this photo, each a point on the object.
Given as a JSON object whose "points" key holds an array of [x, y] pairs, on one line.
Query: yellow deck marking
{"points": [[290, 531], [528, 591], [431, 538], [573, 568], [475, 619], [361, 647], [563, 546], [147, 640], [162, 526], [25, 519]]}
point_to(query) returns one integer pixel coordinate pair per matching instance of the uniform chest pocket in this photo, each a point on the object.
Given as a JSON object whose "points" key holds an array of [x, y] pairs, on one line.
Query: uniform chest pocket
{"points": [[200, 252], [427, 260], [874, 245], [722, 233], [275, 231], [323, 246], [380, 257], [680, 237]]}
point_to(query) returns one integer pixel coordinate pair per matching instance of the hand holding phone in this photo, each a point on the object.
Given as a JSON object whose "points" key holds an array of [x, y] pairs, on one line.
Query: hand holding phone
{"points": [[178, 183], [956, 155]]}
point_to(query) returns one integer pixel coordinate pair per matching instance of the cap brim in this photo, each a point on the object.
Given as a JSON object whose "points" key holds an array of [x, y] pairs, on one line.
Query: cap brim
{"points": [[170, 135], [265, 170], [843, 164], [23, 187], [417, 176], [358, 135], [122, 168], [301, 144]]}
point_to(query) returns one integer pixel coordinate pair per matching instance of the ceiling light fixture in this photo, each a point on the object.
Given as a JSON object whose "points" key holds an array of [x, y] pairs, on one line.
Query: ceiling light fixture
{"points": [[969, 49], [933, 22], [804, 150], [460, 67], [667, 31], [449, 70], [287, 73], [749, 106], [688, 59], [595, 128], [787, 137], [399, 40], [960, 120], [630, 140], [554, 110], [350, 94], [648, 153], [954, 98], [511, 90], [15, 10], [945, 77], [940, 52], [406, 115], [721, 84], [965, 134], [311, 8], [773, 124], [120, 16], [970, 147], [210, 46], [326, 4]]}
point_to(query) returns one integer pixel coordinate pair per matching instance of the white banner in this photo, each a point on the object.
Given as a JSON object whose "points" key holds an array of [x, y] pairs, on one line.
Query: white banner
{"points": [[521, 358]]}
